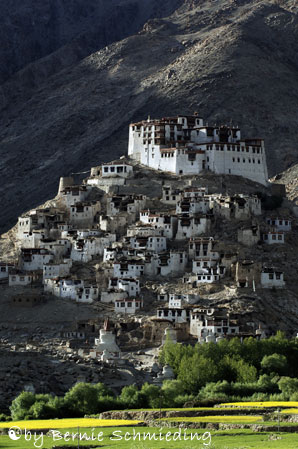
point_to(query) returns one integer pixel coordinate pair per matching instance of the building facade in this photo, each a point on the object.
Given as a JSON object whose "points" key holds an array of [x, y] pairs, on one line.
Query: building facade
{"points": [[184, 145]]}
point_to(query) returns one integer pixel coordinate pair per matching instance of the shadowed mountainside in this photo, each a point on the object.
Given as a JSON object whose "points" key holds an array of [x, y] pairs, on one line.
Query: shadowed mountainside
{"points": [[230, 60]]}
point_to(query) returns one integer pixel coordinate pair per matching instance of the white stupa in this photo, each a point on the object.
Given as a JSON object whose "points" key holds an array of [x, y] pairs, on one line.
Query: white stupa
{"points": [[106, 343], [170, 335], [168, 373], [210, 338]]}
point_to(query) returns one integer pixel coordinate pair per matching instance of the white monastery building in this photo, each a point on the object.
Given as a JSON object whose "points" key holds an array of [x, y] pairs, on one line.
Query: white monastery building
{"points": [[184, 145]]}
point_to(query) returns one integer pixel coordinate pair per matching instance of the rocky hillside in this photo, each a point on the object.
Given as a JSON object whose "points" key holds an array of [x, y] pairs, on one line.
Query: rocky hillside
{"points": [[68, 31], [231, 60], [290, 179]]}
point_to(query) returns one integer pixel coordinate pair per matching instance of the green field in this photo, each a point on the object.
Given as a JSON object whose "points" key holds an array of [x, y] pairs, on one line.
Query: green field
{"points": [[169, 432], [233, 439]]}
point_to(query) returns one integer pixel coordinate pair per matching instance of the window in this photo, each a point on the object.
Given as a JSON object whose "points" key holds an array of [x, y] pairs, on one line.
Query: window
{"points": [[278, 276], [106, 169], [279, 237], [3, 269], [273, 237], [270, 276]]}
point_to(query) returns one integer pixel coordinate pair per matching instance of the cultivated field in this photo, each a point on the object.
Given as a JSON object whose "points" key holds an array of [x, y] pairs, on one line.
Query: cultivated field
{"points": [[252, 427]]}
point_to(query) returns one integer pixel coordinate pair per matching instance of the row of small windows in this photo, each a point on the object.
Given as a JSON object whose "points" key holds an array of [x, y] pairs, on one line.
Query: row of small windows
{"points": [[277, 276], [200, 278], [113, 169], [129, 304], [244, 160], [235, 148], [167, 154], [274, 237], [21, 278]]}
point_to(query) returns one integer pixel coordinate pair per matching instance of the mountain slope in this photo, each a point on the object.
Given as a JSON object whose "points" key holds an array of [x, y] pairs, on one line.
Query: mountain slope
{"points": [[74, 29], [230, 60]]}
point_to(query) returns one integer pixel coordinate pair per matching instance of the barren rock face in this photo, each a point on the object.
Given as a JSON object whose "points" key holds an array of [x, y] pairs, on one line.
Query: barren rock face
{"points": [[230, 60]]}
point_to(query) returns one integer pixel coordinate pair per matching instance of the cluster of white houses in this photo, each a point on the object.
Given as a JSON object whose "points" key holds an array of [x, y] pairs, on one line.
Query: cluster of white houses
{"points": [[132, 242]]}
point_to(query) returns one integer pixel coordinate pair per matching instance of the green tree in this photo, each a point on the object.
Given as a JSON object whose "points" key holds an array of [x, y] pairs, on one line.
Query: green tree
{"points": [[288, 386], [130, 397], [151, 395], [21, 405], [274, 363], [170, 390], [196, 371], [84, 398]]}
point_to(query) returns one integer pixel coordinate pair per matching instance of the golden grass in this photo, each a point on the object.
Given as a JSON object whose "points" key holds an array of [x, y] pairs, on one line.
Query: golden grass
{"points": [[217, 419], [290, 411], [260, 404], [67, 423]]}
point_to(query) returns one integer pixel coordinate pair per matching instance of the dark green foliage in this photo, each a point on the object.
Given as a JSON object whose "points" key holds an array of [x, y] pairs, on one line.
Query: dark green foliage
{"points": [[4, 418], [275, 363]]}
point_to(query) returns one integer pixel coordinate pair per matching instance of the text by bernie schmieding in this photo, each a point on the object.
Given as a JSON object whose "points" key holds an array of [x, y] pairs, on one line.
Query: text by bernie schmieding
{"points": [[37, 438], [135, 435]]}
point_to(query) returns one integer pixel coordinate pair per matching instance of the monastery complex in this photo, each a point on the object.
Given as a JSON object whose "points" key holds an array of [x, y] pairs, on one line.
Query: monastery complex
{"points": [[185, 145], [147, 245]]}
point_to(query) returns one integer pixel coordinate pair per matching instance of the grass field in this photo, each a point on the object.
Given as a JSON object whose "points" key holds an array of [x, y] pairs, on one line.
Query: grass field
{"points": [[260, 404], [233, 439], [290, 411], [217, 419], [67, 423], [109, 434]]}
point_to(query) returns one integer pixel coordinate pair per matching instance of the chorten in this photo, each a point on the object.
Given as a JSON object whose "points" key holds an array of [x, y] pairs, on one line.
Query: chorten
{"points": [[107, 341]]}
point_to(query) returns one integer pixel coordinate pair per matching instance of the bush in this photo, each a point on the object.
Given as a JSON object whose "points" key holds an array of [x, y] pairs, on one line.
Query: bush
{"points": [[274, 363], [4, 418], [131, 397], [86, 398], [21, 405], [288, 386]]}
